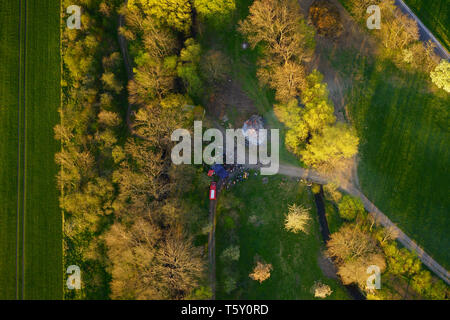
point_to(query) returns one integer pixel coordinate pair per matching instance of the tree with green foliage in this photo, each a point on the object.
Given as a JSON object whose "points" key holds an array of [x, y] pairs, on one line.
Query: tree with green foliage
{"points": [[231, 253], [215, 11], [279, 28], [290, 114], [441, 75], [319, 111], [333, 145], [188, 67], [215, 67], [173, 13], [350, 207]]}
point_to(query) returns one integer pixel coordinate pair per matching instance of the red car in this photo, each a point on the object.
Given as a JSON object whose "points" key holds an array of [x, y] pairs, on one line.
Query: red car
{"points": [[212, 191]]}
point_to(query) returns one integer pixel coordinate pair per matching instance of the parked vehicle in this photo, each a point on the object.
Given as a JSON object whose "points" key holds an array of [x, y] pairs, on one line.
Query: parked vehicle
{"points": [[212, 191]]}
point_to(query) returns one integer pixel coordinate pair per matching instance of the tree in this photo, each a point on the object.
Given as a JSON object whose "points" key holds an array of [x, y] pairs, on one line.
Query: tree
{"points": [[132, 255], [350, 243], [261, 271], [287, 42], [174, 13], [331, 192], [214, 10], [280, 28], [355, 271], [231, 253], [319, 111], [288, 79], [399, 31], [188, 67], [215, 67], [109, 118], [291, 115], [329, 148], [154, 79], [354, 251], [350, 207], [321, 290], [179, 266], [297, 219], [326, 18], [441, 75], [111, 83]]}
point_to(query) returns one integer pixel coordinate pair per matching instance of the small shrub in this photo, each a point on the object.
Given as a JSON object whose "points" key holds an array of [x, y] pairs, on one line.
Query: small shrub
{"points": [[315, 188], [350, 207], [229, 284], [326, 18], [231, 253], [261, 271], [321, 290], [297, 219]]}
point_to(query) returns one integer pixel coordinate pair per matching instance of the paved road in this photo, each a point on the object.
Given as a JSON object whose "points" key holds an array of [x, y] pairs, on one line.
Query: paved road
{"points": [[426, 259], [425, 33]]}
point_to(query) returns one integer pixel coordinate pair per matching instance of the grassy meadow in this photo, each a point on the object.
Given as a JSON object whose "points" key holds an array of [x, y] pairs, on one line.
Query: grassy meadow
{"points": [[30, 98], [251, 215], [9, 113], [43, 230]]}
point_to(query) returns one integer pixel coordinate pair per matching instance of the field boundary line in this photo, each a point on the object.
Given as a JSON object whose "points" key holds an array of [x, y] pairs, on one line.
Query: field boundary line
{"points": [[19, 105]]}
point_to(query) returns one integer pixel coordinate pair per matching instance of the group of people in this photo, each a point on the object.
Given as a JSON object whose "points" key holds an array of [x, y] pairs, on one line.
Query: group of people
{"points": [[237, 173]]}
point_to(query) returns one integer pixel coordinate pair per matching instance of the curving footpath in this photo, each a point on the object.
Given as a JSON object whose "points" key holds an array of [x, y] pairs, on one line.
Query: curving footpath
{"points": [[314, 176]]}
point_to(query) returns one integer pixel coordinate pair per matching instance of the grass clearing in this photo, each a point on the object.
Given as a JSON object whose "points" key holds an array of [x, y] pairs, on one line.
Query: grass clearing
{"points": [[27, 169], [43, 224], [251, 215]]}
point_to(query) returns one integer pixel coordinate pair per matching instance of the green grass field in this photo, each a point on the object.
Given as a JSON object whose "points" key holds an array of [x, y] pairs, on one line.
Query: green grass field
{"points": [[40, 248], [402, 120], [436, 16], [43, 238], [293, 256], [9, 95]]}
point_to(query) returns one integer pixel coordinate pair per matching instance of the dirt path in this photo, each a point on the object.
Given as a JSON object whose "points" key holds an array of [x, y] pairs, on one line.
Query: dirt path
{"points": [[212, 243]]}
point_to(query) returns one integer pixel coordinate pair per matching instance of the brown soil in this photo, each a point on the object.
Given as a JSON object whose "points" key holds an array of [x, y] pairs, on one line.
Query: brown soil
{"points": [[230, 102]]}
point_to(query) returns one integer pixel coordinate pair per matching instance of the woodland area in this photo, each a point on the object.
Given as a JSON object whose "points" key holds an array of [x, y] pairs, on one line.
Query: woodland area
{"points": [[134, 222]]}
